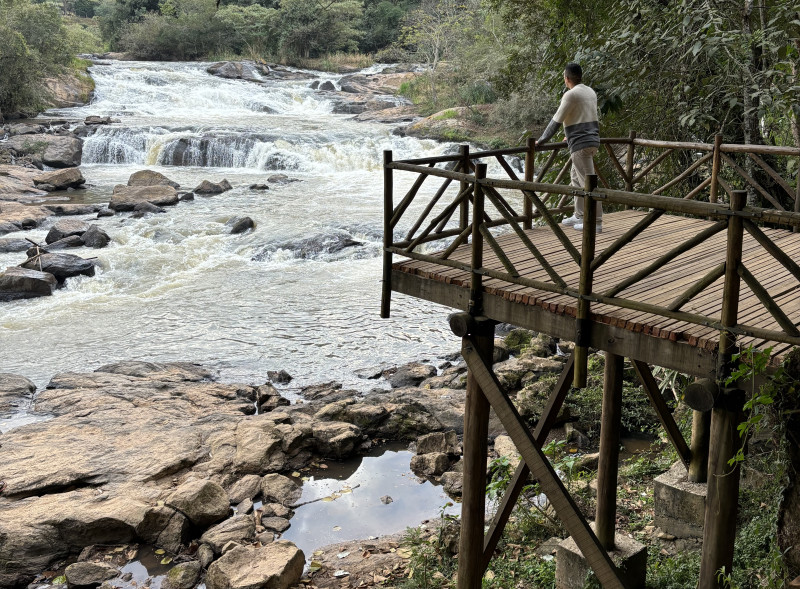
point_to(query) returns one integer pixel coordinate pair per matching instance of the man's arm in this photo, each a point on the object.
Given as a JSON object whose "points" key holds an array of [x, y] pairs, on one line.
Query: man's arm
{"points": [[549, 131]]}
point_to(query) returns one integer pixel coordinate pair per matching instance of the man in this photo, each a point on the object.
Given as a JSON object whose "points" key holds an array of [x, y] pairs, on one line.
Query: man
{"points": [[578, 114]]}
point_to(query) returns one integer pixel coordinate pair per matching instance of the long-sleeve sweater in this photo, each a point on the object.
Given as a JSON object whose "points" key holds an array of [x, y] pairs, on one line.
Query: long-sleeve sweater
{"points": [[578, 114]]}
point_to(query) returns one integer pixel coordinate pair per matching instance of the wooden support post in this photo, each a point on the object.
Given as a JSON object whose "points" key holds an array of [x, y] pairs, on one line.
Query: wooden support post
{"points": [[795, 229], [476, 284], [388, 205], [463, 217], [629, 164], [585, 287], [701, 437], [530, 160], [723, 481], [479, 331], [715, 166], [608, 464]]}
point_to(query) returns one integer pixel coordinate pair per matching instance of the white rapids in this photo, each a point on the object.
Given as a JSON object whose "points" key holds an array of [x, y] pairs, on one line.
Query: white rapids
{"points": [[301, 292]]}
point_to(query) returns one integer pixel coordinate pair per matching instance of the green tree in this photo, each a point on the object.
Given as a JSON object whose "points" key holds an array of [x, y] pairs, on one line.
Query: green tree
{"points": [[252, 28], [310, 28]]}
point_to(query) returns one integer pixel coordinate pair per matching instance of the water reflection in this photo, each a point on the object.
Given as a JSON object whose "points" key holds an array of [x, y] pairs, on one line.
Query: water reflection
{"points": [[361, 513]]}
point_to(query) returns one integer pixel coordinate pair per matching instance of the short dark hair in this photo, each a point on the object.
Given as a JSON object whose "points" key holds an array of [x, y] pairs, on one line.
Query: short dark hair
{"points": [[574, 73]]}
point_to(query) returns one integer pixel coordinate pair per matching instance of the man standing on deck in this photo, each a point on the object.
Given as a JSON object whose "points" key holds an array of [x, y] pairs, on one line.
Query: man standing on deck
{"points": [[578, 114]]}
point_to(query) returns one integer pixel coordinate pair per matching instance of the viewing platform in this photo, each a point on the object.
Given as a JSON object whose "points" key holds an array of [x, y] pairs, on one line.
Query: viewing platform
{"points": [[684, 275]]}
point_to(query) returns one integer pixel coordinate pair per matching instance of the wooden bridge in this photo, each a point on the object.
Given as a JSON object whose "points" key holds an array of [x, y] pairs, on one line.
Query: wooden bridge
{"points": [[683, 274]]}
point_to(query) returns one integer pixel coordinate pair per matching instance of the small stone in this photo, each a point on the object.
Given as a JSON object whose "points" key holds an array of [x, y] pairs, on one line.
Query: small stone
{"points": [[386, 500], [279, 377], [183, 576], [88, 574], [665, 536], [259, 187]]}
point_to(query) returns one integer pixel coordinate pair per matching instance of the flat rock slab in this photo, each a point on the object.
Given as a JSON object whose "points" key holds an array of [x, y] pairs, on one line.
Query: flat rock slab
{"points": [[125, 198], [16, 184], [15, 392], [10, 245], [22, 283], [67, 209], [60, 179], [15, 216], [150, 178]]}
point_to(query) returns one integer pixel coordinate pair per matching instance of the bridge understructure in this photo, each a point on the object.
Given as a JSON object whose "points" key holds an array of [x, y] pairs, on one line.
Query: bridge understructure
{"points": [[684, 274]]}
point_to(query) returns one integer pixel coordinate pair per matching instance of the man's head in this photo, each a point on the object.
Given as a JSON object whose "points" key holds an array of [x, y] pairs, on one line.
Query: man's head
{"points": [[573, 74]]}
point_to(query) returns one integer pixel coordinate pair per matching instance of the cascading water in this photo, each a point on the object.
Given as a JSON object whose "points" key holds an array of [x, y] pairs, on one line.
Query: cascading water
{"points": [[301, 292]]}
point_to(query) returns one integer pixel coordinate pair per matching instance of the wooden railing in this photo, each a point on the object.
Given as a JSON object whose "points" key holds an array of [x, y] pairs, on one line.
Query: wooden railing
{"points": [[466, 194]]}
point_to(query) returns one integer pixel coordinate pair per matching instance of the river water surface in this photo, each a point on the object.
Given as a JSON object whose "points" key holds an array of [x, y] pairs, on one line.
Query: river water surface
{"points": [[178, 286]]}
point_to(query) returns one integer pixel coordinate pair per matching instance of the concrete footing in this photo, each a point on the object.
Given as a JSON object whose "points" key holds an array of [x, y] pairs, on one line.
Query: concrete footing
{"points": [[680, 505], [628, 554]]}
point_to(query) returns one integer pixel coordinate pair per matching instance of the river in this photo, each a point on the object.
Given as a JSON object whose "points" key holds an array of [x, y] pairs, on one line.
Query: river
{"points": [[178, 286]]}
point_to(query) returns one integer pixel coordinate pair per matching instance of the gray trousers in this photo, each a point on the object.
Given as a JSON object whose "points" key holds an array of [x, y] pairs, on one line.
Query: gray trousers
{"points": [[583, 164]]}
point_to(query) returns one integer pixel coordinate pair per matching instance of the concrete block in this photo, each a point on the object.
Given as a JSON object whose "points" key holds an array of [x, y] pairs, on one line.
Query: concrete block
{"points": [[628, 554], [680, 505]]}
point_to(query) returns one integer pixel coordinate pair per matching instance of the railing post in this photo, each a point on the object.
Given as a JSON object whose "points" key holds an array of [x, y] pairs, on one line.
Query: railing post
{"points": [[608, 463], [629, 163], [716, 162], [476, 284], [463, 220], [388, 234], [581, 352], [530, 160], [796, 229], [723, 480]]}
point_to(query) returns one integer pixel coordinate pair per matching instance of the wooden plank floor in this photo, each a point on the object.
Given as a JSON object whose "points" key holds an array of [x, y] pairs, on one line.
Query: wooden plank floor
{"points": [[660, 288]]}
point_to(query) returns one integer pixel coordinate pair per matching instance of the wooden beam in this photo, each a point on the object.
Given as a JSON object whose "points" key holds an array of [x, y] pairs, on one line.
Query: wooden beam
{"points": [[530, 162], [747, 178], [662, 410], [596, 557], [388, 237], [408, 198], [543, 427], [715, 167], [701, 438], [582, 324], [608, 463]]}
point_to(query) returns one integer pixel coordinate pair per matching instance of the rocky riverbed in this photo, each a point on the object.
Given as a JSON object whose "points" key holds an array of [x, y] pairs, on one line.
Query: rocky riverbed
{"points": [[163, 454]]}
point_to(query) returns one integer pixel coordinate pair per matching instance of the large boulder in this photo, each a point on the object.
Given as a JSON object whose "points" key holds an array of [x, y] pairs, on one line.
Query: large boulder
{"points": [[11, 245], [65, 228], [60, 179], [15, 392], [22, 283], [125, 198], [336, 439], [183, 576], [56, 151], [16, 183], [150, 178], [95, 237], [203, 502], [208, 187], [164, 527], [62, 266], [278, 565]]}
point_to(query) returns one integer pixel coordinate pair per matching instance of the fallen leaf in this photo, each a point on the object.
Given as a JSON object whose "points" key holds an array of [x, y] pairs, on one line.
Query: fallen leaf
{"points": [[296, 474], [343, 555], [161, 551], [327, 499], [314, 566], [166, 560], [404, 552], [340, 573], [318, 553], [61, 580], [337, 528]]}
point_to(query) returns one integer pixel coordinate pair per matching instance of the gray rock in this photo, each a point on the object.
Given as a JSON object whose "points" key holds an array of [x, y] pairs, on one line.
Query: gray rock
{"points": [[62, 266], [95, 237], [66, 209], [411, 375], [246, 487], [205, 556], [105, 212], [12, 245], [165, 527], [314, 85], [65, 228], [244, 507], [327, 85], [24, 129], [240, 224], [89, 574], [453, 483], [240, 528], [230, 546], [61, 244], [96, 120], [276, 488], [280, 377], [144, 208], [60, 179], [439, 442], [258, 187], [277, 565], [125, 198], [203, 502], [150, 178], [56, 151], [336, 439], [186, 196], [276, 510], [21, 283], [183, 576], [281, 179], [208, 187], [15, 392], [433, 464], [275, 524]]}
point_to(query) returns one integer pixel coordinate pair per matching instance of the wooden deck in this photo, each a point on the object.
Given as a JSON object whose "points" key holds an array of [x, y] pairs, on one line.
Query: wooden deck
{"points": [[651, 338]]}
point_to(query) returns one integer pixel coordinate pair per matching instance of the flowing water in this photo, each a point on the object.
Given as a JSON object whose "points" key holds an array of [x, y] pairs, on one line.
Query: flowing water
{"points": [[301, 292]]}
